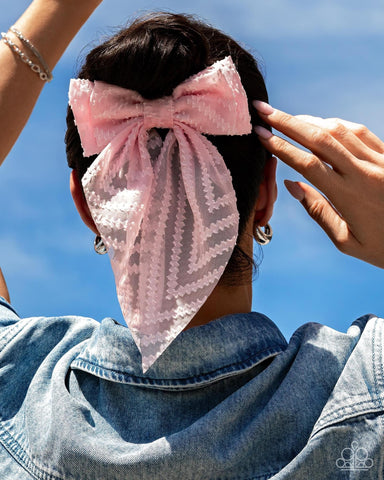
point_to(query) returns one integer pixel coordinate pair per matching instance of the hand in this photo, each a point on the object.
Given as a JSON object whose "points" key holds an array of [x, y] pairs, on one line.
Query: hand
{"points": [[346, 163]]}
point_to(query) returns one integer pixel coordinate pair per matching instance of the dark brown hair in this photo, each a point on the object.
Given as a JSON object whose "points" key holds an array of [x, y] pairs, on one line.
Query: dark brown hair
{"points": [[154, 55]]}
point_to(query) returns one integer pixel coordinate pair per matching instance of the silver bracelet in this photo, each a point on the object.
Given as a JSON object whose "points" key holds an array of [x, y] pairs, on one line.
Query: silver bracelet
{"points": [[34, 50], [24, 58]]}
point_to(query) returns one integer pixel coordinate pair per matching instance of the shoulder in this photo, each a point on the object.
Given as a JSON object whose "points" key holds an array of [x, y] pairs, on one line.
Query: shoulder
{"points": [[359, 389], [34, 350], [27, 338], [359, 349], [360, 333]]}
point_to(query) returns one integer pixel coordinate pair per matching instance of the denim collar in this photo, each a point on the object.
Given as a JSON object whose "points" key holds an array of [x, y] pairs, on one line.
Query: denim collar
{"points": [[221, 348]]}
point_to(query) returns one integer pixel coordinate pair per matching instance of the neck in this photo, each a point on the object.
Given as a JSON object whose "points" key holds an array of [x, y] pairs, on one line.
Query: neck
{"points": [[224, 300]]}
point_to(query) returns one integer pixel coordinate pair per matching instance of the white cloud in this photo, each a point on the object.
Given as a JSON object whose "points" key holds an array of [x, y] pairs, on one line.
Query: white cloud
{"points": [[68, 239], [300, 18], [270, 19], [18, 261]]}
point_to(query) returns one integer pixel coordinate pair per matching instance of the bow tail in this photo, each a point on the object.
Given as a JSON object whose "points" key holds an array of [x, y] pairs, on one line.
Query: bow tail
{"points": [[167, 213], [152, 320], [212, 199], [117, 187], [187, 237]]}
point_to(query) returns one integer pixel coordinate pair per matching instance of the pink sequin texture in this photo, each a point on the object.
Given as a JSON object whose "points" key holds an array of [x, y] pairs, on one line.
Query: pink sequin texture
{"points": [[166, 210]]}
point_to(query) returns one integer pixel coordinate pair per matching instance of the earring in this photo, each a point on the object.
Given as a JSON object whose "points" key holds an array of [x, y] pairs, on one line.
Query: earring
{"points": [[262, 238], [99, 246]]}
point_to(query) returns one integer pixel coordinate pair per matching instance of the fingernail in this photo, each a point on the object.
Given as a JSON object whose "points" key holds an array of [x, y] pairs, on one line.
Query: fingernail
{"points": [[263, 107], [295, 190], [263, 132]]}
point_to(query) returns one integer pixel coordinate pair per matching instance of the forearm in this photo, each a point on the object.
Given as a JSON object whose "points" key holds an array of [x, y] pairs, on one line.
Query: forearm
{"points": [[50, 25], [3, 288]]}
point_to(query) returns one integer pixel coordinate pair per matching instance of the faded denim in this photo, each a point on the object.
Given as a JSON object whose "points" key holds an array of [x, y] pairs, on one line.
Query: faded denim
{"points": [[227, 400]]}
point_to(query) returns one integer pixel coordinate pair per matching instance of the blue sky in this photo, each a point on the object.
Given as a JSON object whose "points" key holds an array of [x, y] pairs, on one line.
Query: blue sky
{"points": [[320, 58]]}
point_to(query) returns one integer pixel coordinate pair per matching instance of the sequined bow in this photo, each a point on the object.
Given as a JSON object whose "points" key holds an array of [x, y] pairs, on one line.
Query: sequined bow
{"points": [[166, 210]]}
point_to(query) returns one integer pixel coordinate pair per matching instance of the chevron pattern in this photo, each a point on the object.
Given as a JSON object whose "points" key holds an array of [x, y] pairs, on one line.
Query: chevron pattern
{"points": [[166, 210]]}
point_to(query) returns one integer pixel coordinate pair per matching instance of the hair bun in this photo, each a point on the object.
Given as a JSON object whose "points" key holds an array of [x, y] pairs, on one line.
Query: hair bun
{"points": [[152, 56]]}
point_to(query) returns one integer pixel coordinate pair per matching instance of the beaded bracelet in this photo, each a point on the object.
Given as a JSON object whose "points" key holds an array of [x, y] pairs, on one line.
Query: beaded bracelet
{"points": [[34, 50], [45, 76]]}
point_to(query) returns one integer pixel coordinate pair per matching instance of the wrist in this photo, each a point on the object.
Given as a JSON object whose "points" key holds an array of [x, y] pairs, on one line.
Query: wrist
{"points": [[51, 24], [78, 9]]}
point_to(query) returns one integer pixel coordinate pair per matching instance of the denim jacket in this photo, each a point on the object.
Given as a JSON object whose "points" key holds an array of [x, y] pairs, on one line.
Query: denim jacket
{"points": [[227, 400]]}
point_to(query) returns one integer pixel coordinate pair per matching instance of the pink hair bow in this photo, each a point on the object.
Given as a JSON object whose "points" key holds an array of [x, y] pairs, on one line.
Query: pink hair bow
{"points": [[166, 210]]}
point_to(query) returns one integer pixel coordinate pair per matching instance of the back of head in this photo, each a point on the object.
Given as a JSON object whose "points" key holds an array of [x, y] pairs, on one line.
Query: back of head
{"points": [[153, 56]]}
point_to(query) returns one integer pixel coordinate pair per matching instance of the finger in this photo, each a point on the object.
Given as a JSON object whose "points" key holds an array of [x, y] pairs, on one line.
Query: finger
{"points": [[307, 164], [318, 121], [359, 130], [321, 210], [316, 139], [344, 132], [365, 135]]}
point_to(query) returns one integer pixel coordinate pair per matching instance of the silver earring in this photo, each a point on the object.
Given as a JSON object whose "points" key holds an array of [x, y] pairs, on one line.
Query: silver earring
{"points": [[99, 246], [262, 238]]}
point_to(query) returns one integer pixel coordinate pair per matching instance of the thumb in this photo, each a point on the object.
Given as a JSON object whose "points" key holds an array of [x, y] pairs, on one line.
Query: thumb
{"points": [[322, 211]]}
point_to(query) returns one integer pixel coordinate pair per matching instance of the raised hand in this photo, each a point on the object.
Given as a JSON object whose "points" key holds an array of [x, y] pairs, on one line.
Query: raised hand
{"points": [[49, 25], [346, 163]]}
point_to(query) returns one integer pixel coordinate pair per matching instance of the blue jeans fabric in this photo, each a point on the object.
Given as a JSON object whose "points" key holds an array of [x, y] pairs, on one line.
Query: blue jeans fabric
{"points": [[227, 400]]}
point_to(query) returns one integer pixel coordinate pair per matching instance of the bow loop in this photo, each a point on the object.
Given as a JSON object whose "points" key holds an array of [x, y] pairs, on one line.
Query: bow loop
{"points": [[212, 102], [102, 112]]}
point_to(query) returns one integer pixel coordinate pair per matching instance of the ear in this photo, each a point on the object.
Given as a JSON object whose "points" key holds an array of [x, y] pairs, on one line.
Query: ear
{"points": [[267, 194], [81, 203]]}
